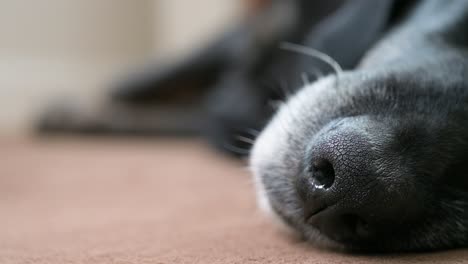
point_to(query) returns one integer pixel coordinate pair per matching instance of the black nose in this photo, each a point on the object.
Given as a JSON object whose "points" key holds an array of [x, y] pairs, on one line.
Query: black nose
{"points": [[335, 185]]}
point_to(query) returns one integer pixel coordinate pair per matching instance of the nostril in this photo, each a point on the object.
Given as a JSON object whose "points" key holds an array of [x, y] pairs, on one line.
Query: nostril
{"points": [[323, 174]]}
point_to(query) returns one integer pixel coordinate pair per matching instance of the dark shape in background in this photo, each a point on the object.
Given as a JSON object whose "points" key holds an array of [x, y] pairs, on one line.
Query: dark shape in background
{"points": [[225, 90]]}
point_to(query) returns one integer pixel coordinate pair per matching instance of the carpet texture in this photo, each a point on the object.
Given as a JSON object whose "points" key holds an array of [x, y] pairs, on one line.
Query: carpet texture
{"points": [[158, 201]]}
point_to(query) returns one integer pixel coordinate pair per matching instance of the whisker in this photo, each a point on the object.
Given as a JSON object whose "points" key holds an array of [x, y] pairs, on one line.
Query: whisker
{"points": [[279, 88], [313, 53], [245, 139], [283, 85], [236, 150], [252, 132]]}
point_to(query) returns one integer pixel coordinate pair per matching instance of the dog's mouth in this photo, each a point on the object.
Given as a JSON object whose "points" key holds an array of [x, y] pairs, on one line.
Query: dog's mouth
{"points": [[309, 214], [346, 228]]}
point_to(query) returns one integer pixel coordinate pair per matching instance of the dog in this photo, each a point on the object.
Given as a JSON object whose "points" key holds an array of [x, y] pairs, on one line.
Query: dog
{"points": [[375, 158], [368, 149]]}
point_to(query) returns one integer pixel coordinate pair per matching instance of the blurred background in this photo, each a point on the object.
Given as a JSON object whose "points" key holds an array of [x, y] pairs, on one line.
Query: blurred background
{"points": [[52, 48], [167, 200]]}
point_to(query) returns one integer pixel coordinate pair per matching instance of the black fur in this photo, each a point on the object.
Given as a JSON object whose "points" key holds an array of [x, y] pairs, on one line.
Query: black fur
{"points": [[395, 133]]}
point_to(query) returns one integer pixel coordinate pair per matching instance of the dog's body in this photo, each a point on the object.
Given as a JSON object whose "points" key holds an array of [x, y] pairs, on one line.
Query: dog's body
{"points": [[375, 158], [226, 88], [371, 158]]}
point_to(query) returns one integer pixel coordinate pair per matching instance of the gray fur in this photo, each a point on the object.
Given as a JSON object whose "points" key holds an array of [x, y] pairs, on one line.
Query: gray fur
{"points": [[409, 100]]}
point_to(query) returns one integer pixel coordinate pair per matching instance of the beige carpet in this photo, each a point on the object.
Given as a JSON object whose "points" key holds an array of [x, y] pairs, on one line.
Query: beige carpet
{"points": [[159, 201]]}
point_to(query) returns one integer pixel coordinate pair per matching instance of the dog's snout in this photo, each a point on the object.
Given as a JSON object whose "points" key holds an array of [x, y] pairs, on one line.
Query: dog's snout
{"points": [[337, 175]]}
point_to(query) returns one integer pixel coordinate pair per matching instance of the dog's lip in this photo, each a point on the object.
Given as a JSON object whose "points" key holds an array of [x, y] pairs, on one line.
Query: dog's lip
{"points": [[308, 215]]}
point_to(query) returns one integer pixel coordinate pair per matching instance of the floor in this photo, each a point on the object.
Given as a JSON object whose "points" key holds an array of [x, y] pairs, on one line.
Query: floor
{"points": [[136, 201]]}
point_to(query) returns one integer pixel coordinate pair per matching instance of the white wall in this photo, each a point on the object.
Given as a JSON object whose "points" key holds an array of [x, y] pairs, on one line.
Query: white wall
{"points": [[53, 47], [184, 23]]}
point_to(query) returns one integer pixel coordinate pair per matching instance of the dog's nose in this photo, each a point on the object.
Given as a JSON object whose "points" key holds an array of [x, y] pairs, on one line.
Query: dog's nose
{"points": [[335, 182]]}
